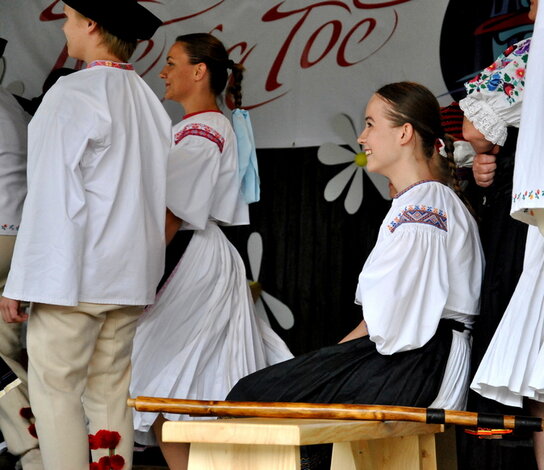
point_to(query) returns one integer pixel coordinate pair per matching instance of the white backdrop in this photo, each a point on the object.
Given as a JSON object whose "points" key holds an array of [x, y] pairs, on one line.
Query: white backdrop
{"points": [[306, 60]]}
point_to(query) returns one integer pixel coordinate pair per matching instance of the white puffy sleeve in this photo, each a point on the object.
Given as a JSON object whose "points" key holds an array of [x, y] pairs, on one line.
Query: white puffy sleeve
{"points": [[193, 171], [403, 287], [494, 96]]}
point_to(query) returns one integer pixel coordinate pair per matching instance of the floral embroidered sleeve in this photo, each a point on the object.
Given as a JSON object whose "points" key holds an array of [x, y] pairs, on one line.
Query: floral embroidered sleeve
{"points": [[494, 96]]}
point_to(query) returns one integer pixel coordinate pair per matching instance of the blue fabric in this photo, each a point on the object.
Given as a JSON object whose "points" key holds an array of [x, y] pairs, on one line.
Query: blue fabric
{"points": [[248, 169]]}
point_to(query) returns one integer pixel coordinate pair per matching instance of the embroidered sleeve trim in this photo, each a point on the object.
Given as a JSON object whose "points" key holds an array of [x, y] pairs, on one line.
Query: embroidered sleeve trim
{"points": [[200, 130], [9, 228], [420, 214], [528, 195]]}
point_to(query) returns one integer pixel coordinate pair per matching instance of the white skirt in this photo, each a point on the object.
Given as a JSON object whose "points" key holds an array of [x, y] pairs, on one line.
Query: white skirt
{"points": [[453, 393], [513, 365], [201, 335]]}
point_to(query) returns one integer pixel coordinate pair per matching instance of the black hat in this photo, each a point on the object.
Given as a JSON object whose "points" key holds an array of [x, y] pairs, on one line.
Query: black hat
{"points": [[126, 19], [3, 43]]}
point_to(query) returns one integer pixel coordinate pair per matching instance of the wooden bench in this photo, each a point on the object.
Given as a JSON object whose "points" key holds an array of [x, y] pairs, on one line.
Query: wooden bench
{"points": [[274, 444]]}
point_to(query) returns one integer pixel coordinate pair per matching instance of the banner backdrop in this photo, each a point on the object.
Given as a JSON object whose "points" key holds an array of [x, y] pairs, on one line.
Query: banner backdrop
{"points": [[306, 60]]}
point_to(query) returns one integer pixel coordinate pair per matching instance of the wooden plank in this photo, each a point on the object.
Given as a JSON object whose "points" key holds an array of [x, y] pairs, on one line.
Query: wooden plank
{"points": [[265, 431], [243, 457], [397, 453], [352, 456], [288, 432], [427, 451]]}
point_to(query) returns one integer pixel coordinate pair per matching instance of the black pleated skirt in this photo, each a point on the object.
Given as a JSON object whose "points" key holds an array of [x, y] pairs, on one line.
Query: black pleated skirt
{"points": [[354, 372]]}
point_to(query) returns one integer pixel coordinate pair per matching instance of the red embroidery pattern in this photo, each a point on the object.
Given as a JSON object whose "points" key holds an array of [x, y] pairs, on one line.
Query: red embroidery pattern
{"points": [[200, 130], [109, 63], [426, 215]]}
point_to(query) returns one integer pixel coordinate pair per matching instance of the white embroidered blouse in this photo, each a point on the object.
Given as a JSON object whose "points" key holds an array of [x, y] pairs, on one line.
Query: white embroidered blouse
{"points": [[92, 228], [203, 181], [427, 264]]}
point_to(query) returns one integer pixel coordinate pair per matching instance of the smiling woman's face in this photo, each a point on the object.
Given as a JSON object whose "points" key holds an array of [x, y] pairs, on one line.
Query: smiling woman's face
{"points": [[379, 137]]}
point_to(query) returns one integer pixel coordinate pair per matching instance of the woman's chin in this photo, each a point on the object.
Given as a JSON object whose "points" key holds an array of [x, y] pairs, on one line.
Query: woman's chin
{"points": [[371, 167]]}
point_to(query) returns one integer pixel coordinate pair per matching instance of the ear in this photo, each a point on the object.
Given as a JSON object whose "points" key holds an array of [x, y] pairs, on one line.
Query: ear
{"points": [[199, 72], [406, 133], [92, 26]]}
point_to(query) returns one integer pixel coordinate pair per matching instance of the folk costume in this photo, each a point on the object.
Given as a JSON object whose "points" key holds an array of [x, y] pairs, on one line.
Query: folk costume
{"points": [[202, 335], [13, 150], [89, 252], [512, 366], [494, 96], [419, 291], [493, 103]]}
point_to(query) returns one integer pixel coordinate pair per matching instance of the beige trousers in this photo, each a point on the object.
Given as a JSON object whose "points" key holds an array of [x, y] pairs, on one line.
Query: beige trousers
{"points": [[13, 426], [79, 374]]}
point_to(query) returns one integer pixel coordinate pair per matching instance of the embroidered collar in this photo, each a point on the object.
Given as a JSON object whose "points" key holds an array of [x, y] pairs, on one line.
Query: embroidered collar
{"points": [[201, 112], [109, 63], [405, 190]]}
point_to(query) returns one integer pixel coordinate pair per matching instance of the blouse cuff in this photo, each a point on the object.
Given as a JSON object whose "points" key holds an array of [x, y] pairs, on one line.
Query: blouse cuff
{"points": [[492, 126]]}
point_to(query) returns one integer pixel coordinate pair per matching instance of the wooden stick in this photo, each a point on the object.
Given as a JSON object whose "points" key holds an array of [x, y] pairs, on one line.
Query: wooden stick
{"points": [[333, 411]]}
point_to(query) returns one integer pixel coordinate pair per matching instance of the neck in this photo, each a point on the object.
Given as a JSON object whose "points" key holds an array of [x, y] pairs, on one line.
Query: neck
{"points": [[100, 53], [198, 103], [409, 173]]}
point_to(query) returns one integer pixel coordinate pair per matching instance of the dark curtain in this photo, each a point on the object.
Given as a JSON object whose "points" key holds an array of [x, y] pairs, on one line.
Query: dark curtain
{"points": [[313, 250]]}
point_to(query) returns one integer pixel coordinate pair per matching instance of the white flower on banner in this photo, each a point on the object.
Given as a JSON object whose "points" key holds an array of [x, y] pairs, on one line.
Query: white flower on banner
{"points": [[333, 154], [281, 312]]}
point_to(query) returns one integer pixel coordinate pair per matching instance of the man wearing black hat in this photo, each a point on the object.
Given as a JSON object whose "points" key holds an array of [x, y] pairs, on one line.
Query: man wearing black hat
{"points": [[89, 252], [13, 134]]}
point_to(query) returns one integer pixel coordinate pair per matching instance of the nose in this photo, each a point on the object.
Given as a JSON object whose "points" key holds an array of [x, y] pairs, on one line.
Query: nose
{"points": [[162, 73], [362, 137]]}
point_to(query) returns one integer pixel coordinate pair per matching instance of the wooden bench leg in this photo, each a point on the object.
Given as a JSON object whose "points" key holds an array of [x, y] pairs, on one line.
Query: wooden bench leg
{"points": [[203, 456], [351, 456], [398, 453]]}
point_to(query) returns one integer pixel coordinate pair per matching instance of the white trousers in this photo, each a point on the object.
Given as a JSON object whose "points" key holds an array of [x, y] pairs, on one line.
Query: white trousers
{"points": [[79, 374]]}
